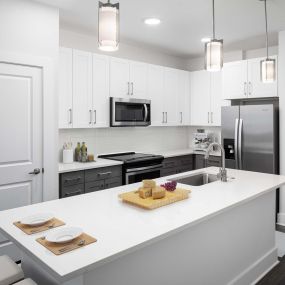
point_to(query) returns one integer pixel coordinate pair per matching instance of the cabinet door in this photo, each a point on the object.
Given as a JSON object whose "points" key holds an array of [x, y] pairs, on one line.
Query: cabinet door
{"points": [[216, 98], [101, 90], [256, 88], [155, 93], [170, 95], [200, 98], [82, 89], [119, 78], [138, 80], [234, 80], [65, 88], [183, 102]]}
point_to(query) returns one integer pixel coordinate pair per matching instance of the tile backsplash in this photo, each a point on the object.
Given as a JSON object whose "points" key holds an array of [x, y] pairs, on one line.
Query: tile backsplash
{"points": [[109, 140]]}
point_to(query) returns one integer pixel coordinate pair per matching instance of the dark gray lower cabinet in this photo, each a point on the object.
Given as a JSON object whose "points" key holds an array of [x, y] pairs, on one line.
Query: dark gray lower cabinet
{"points": [[86, 181], [178, 164], [200, 161]]}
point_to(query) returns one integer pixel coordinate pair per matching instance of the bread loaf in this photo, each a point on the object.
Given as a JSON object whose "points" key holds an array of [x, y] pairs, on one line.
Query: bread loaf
{"points": [[158, 192], [145, 192], [148, 183]]}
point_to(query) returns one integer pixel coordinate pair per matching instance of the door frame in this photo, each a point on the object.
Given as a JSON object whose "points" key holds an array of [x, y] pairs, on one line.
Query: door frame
{"points": [[50, 123]]}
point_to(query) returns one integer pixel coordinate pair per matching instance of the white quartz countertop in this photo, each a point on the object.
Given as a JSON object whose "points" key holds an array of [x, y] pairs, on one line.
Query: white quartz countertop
{"points": [[181, 152], [75, 166], [121, 228]]}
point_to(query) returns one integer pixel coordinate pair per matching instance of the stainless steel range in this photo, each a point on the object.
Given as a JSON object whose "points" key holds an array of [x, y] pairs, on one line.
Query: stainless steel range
{"points": [[137, 166]]}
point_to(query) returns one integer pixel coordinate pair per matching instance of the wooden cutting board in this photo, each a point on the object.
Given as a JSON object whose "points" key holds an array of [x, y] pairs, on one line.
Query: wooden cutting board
{"points": [[150, 203]]}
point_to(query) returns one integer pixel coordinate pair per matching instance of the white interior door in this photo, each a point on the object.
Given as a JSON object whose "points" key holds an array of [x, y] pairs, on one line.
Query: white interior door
{"points": [[101, 90], [119, 78], [21, 150], [138, 79], [200, 90], [82, 89], [256, 88]]}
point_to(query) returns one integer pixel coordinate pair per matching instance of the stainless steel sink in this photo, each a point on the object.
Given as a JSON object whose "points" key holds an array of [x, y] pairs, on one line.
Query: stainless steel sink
{"points": [[197, 179]]}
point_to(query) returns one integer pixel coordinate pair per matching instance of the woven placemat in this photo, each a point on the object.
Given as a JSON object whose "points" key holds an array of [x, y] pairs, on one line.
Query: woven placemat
{"points": [[29, 230], [61, 248]]}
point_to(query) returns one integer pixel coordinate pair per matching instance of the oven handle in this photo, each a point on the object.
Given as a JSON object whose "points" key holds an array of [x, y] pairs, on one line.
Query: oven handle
{"points": [[145, 112], [132, 170]]}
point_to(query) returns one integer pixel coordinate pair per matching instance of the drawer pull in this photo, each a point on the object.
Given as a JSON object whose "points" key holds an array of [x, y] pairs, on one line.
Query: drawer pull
{"points": [[105, 173], [72, 193], [72, 179]]}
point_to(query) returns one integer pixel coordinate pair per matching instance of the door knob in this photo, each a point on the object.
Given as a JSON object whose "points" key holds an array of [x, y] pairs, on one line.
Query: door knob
{"points": [[36, 171]]}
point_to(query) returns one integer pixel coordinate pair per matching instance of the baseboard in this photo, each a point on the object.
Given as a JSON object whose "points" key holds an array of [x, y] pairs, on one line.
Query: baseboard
{"points": [[281, 219], [259, 268]]}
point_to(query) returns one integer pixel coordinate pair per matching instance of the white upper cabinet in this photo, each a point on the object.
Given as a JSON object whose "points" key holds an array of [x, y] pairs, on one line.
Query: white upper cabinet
{"points": [[216, 98], [138, 80], [200, 90], [119, 78], [241, 79], [234, 80], [256, 88], [183, 100], [82, 89], [101, 90], [65, 88], [128, 79], [155, 80]]}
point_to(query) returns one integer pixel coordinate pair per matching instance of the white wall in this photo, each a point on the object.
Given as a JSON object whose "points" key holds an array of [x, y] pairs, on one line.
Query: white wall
{"points": [[89, 42], [198, 63], [281, 91], [31, 30], [145, 139]]}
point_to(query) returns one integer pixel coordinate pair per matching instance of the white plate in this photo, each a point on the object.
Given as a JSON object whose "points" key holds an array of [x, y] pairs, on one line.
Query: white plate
{"points": [[64, 235], [37, 219]]}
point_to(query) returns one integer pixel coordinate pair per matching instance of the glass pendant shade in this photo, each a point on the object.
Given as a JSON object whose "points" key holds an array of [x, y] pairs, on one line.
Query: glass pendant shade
{"points": [[268, 70], [214, 55], [108, 26]]}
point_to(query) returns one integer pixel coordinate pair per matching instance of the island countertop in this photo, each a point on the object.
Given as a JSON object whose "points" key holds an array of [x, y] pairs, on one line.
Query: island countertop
{"points": [[121, 228]]}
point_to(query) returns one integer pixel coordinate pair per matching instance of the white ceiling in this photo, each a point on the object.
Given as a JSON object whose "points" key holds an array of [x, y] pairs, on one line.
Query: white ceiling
{"points": [[184, 22]]}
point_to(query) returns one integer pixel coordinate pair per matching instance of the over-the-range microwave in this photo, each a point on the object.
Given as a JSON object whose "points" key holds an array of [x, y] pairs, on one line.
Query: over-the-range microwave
{"points": [[129, 112]]}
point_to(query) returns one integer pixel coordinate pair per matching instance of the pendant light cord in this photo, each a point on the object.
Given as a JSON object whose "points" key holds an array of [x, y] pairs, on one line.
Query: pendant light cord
{"points": [[213, 7], [266, 26]]}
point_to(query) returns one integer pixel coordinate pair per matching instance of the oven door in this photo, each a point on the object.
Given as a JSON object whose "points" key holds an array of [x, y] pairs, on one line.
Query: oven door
{"points": [[129, 112], [134, 175]]}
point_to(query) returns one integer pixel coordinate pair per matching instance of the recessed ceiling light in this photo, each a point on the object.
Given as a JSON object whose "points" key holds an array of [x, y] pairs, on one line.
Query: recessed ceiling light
{"points": [[152, 21], [205, 40]]}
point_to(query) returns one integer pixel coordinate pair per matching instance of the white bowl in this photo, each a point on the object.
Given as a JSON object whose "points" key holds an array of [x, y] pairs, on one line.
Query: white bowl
{"points": [[64, 235], [37, 219]]}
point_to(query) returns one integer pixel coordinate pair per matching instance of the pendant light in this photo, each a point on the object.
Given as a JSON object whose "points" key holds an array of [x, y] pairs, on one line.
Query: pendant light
{"points": [[214, 49], [268, 65], [108, 26]]}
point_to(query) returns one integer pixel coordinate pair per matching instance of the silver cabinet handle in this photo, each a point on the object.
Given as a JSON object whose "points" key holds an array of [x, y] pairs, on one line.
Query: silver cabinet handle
{"points": [[240, 143], [128, 88], [163, 117], [95, 117], [166, 117], [132, 84], [208, 117], [68, 194], [70, 116], [212, 121], [181, 117], [249, 88], [90, 117], [244, 88], [105, 173], [35, 171]]}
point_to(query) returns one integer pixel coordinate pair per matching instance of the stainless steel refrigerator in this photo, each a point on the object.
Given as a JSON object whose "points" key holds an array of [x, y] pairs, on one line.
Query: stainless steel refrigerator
{"points": [[250, 136]]}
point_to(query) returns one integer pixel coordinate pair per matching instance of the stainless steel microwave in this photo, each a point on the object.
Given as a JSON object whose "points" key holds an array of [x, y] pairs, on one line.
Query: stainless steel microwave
{"points": [[129, 112]]}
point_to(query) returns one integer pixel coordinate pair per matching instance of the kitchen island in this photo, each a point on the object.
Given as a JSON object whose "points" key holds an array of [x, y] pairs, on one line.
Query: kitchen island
{"points": [[223, 234]]}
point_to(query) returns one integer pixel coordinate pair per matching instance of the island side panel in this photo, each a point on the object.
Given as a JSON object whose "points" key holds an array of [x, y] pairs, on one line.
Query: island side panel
{"points": [[236, 246]]}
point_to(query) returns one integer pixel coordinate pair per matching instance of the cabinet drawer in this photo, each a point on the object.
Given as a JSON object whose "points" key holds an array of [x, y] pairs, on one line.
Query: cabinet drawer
{"points": [[103, 173], [113, 182], [169, 162], [167, 171], [94, 186], [186, 160], [72, 178], [72, 190]]}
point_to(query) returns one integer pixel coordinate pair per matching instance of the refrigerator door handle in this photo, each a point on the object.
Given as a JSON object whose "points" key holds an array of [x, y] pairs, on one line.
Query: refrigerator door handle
{"points": [[240, 143], [236, 143]]}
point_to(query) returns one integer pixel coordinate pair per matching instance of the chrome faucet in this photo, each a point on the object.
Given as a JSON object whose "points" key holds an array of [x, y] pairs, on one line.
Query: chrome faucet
{"points": [[222, 175]]}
